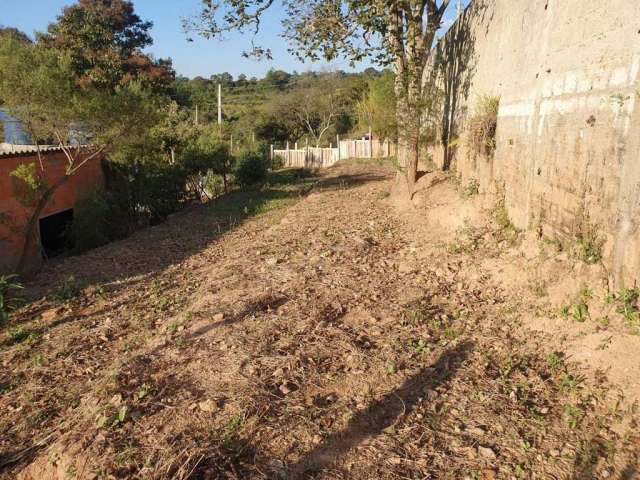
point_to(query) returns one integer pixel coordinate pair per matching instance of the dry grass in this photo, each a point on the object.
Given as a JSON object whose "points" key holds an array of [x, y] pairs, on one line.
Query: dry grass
{"points": [[482, 126], [298, 344]]}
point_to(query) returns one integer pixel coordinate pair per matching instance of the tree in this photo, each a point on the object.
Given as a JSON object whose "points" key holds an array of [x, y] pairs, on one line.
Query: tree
{"points": [[317, 107], [389, 31], [277, 78], [378, 109], [104, 41], [38, 87], [15, 33]]}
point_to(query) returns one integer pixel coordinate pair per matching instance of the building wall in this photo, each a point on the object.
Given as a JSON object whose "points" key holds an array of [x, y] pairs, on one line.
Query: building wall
{"points": [[568, 135], [14, 215]]}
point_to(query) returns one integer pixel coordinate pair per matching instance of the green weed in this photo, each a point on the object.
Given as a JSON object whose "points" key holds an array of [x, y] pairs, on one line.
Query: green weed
{"points": [[573, 415], [468, 239], [555, 361], [626, 301], [8, 302], [588, 244], [234, 425], [579, 308], [69, 290], [38, 360], [471, 189], [554, 242], [21, 334], [570, 383]]}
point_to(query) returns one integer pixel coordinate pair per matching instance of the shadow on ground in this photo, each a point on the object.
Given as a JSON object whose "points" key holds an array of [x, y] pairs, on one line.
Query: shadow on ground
{"points": [[383, 413], [184, 234]]}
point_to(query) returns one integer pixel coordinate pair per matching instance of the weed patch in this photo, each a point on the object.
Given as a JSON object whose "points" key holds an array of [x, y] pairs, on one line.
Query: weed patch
{"points": [[471, 189], [8, 300], [626, 302], [69, 290], [588, 244], [22, 335], [578, 309]]}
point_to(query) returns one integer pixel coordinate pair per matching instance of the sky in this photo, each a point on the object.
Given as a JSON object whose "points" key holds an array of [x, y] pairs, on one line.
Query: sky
{"points": [[200, 57]]}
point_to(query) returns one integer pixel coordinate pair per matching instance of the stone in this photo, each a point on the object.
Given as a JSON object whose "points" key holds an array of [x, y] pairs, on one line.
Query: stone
{"points": [[208, 406], [486, 453]]}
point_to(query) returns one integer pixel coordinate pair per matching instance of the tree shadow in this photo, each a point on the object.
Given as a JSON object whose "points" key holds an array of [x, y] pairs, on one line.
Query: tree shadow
{"points": [[265, 303], [344, 182], [456, 62], [185, 233], [125, 263], [382, 413]]}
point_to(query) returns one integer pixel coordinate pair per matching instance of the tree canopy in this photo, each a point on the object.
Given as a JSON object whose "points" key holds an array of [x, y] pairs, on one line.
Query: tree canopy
{"points": [[104, 40]]}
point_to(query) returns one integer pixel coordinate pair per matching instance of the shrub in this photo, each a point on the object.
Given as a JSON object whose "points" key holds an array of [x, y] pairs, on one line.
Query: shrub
{"points": [[251, 168], [90, 227]]}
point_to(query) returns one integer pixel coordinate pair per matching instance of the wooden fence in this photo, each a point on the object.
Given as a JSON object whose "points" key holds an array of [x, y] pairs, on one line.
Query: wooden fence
{"points": [[315, 157]]}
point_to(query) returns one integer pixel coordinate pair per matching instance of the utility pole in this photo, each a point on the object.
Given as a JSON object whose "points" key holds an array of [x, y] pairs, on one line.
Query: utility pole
{"points": [[219, 104]]}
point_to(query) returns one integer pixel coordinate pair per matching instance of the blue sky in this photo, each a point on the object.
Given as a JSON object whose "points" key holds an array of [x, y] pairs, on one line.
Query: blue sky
{"points": [[200, 57]]}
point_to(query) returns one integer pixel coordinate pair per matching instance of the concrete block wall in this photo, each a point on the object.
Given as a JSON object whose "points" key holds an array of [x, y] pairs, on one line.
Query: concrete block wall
{"points": [[568, 138]]}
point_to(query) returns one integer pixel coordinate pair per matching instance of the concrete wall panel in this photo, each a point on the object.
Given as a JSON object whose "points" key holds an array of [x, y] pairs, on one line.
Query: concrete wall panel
{"points": [[568, 140]]}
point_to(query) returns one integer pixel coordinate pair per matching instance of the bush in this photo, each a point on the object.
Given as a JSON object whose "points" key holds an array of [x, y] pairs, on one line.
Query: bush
{"points": [[251, 168], [90, 227]]}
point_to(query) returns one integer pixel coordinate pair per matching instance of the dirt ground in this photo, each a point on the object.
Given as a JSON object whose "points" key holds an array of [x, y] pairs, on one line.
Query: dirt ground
{"points": [[313, 331]]}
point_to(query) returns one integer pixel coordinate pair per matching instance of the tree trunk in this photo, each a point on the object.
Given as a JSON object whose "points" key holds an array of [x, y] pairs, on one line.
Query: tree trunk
{"points": [[30, 231], [409, 116]]}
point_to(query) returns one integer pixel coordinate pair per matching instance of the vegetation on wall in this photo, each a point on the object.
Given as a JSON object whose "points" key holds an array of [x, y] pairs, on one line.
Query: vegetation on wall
{"points": [[482, 126]]}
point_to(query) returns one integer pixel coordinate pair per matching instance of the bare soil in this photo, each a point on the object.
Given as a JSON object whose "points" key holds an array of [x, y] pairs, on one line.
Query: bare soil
{"points": [[310, 330]]}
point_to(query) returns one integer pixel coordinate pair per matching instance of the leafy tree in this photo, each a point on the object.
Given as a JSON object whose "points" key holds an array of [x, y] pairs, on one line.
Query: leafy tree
{"points": [[38, 87], [209, 154], [378, 109], [277, 78], [251, 168], [104, 40], [15, 33], [317, 107], [400, 33], [225, 78]]}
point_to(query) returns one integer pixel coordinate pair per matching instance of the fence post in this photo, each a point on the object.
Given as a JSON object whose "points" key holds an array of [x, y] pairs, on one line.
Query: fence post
{"points": [[338, 143], [295, 146], [271, 153], [370, 143]]}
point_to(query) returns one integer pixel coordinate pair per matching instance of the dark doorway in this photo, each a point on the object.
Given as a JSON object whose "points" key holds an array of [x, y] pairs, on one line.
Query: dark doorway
{"points": [[53, 232]]}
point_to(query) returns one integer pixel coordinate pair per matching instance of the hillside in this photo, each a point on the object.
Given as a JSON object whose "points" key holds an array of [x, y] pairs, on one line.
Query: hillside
{"points": [[307, 330]]}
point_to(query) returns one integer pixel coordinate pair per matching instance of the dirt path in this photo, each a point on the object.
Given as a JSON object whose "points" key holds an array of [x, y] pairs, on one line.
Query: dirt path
{"points": [[325, 337]]}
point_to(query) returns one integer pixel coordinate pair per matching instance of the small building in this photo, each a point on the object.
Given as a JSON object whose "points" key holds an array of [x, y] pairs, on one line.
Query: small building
{"points": [[57, 215]]}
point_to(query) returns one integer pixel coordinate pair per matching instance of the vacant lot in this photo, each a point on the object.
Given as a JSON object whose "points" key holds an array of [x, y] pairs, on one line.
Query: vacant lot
{"points": [[305, 330]]}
